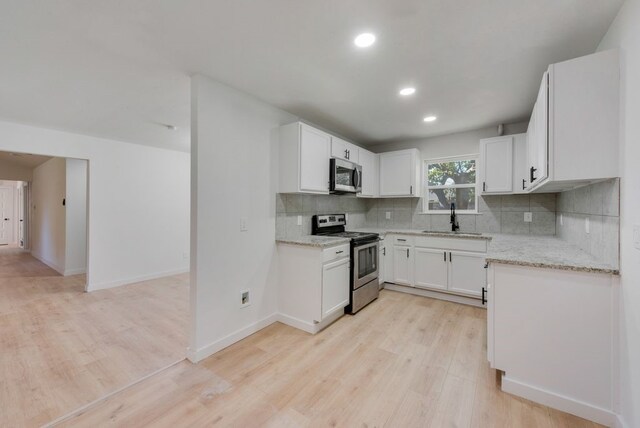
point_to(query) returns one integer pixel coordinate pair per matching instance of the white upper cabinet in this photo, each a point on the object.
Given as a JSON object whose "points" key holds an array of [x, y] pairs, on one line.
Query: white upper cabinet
{"points": [[503, 165], [342, 149], [304, 159], [496, 160], [370, 173], [400, 173], [573, 135]]}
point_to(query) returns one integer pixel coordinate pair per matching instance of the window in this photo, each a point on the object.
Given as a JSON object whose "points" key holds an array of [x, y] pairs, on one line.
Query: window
{"points": [[451, 180]]}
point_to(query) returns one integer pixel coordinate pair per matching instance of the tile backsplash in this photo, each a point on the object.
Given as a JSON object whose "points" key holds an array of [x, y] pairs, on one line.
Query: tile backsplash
{"points": [[600, 203], [497, 214]]}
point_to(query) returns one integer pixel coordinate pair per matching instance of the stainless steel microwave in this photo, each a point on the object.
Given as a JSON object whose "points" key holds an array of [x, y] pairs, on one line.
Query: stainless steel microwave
{"points": [[345, 176]]}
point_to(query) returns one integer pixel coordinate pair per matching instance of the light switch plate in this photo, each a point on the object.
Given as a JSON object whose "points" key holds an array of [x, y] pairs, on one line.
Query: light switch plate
{"points": [[586, 225], [299, 220], [244, 224], [528, 217], [388, 215], [636, 236], [561, 220]]}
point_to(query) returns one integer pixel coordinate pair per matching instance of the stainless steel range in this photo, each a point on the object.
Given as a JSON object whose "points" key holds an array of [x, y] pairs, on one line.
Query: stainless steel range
{"points": [[364, 258]]}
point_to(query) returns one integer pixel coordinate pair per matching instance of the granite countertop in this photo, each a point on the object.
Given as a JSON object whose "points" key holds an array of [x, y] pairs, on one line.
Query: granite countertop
{"points": [[314, 241], [416, 232], [544, 252]]}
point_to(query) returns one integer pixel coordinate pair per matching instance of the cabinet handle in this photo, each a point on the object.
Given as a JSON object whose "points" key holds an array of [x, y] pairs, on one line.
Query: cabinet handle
{"points": [[411, 190], [339, 252], [484, 186], [407, 253], [450, 259], [524, 182], [384, 251], [531, 171], [402, 240], [445, 256], [484, 292]]}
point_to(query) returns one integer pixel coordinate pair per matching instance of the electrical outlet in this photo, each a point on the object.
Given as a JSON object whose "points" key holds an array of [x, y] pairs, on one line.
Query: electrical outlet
{"points": [[388, 215], [245, 298], [243, 224], [586, 224], [636, 236], [528, 217], [299, 220]]}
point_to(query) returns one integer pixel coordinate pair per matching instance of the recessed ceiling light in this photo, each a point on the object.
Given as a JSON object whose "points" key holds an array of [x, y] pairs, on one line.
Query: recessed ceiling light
{"points": [[429, 118], [407, 91], [364, 40]]}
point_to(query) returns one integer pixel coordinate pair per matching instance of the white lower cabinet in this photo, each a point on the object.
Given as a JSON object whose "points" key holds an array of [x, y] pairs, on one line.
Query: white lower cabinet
{"points": [[467, 274], [402, 265], [334, 293], [451, 265], [431, 268], [314, 285]]}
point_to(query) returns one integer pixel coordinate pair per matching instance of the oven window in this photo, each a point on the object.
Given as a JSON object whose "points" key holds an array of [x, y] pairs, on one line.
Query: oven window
{"points": [[344, 176], [367, 261]]}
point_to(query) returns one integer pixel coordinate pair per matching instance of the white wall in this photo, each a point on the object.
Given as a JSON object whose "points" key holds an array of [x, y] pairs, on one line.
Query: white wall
{"points": [[76, 217], [625, 34], [460, 143], [234, 175], [48, 214], [11, 171], [138, 202]]}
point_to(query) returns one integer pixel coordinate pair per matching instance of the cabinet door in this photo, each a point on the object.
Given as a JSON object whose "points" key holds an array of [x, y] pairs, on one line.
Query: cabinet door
{"points": [[537, 136], [402, 265], [431, 268], [388, 263], [342, 149], [314, 160], [520, 176], [397, 171], [335, 286], [382, 255], [369, 163], [467, 273], [497, 165]]}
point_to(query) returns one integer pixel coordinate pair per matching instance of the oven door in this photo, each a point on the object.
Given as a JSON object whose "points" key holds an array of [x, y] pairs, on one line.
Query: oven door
{"points": [[346, 177], [365, 264]]}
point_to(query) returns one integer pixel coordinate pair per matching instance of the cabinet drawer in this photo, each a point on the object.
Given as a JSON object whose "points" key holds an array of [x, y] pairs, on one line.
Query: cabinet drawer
{"points": [[335, 253], [476, 245], [403, 240]]}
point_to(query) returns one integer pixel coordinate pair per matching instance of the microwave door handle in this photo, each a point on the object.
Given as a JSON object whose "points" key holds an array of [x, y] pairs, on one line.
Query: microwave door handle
{"points": [[355, 178]]}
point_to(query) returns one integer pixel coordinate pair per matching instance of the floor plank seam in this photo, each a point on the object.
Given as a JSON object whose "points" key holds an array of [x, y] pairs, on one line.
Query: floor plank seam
{"points": [[104, 398]]}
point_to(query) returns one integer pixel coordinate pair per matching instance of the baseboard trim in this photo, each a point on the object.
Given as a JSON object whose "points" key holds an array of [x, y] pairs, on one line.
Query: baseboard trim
{"points": [[560, 402], [78, 271], [311, 328], [434, 294], [49, 263], [620, 422], [200, 354], [134, 279]]}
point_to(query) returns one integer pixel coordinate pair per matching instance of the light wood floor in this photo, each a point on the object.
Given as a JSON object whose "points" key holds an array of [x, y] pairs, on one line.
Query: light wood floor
{"points": [[61, 348], [403, 361]]}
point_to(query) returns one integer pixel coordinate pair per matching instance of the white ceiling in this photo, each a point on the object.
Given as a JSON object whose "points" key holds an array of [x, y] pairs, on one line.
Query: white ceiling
{"points": [[120, 69], [23, 159]]}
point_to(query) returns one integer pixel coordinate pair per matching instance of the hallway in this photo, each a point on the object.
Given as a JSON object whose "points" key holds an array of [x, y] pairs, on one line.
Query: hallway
{"points": [[63, 348]]}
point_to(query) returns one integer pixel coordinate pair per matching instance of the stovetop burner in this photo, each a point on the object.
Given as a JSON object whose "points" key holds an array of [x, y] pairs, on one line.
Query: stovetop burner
{"points": [[334, 225]]}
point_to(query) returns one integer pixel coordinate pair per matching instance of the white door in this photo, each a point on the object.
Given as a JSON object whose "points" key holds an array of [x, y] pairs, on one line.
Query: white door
{"points": [[402, 265], [6, 216], [431, 268], [396, 173], [497, 165], [315, 147], [335, 286], [467, 273]]}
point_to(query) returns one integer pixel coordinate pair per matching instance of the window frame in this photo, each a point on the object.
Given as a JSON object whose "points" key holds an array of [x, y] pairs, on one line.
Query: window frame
{"points": [[426, 187]]}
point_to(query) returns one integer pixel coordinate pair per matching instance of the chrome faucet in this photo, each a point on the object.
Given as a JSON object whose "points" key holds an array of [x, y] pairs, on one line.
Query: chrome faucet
{"points": [[454, 223]]}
